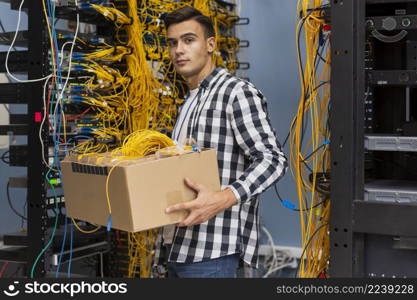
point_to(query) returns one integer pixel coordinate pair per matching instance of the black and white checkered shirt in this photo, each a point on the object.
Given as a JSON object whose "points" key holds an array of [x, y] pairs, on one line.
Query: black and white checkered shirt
{"points": [[231, 117]]}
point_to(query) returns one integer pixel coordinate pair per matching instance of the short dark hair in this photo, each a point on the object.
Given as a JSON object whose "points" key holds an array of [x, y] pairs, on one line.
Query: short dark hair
{"points": [[190, 13]]}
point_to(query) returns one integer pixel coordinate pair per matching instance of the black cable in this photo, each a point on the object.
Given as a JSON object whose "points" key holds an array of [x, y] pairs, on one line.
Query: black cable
{"points": [[6, 108], [304, 124], [306, 95], [312, 153], [306, 88], [319, 8], [14, 48], [300, 62], [288, 135], [24, 213], [306, 246], [316, 88], [322, 185], [319, 54], [10, 202], [306, 92], [3, 157], [329, 112], [2, 27], [4, 31], [307, 166], [15, 272]]}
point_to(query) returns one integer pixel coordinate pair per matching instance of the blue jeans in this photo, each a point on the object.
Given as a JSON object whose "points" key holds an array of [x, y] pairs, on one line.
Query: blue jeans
{"points": [[222, 267]]}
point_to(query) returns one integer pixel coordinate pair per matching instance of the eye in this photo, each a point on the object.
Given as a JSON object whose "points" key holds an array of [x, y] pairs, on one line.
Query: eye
{"points": [[189, 40], [172, 43]]}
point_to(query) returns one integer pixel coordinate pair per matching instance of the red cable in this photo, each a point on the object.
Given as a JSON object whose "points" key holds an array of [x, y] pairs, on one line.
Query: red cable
{"points": [[3, 269], [80, 115]]}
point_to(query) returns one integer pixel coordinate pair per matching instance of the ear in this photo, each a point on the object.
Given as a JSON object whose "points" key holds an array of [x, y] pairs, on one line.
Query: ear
{"points": [[211, 44]]}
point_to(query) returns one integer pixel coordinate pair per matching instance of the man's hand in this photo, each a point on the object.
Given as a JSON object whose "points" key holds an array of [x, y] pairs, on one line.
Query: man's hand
{"points": [[205, 206]]}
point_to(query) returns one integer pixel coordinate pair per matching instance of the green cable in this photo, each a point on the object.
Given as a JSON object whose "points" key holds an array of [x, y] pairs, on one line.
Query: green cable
{"points": [[52, 236]]}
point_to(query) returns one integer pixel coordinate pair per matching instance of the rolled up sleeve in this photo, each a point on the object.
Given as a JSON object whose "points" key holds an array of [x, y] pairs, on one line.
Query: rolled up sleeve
{"points": [[256, 137]]}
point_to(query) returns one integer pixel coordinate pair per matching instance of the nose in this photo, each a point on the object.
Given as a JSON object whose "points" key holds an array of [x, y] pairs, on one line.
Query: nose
{"points": [[179, 50]]}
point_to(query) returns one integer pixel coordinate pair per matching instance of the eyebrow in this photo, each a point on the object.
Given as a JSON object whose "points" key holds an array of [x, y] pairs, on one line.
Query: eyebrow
{"points": [[183, 36], [188, 34]]}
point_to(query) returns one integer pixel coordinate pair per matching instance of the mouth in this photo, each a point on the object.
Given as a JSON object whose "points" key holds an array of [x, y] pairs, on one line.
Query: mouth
{"points": [[181, 62]]}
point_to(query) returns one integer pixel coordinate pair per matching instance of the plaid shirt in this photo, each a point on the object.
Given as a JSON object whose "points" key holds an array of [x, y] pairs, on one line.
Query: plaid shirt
{"points": [[231, 117]]}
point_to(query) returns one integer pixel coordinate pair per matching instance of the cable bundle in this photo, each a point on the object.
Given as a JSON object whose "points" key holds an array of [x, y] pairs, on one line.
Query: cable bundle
{"points": [[143, 142], [116, 88], [310, 159], [112, 14]]}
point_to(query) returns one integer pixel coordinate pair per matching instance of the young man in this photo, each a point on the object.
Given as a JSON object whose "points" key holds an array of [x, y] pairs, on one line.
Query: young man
{"points": [[228, 114]]}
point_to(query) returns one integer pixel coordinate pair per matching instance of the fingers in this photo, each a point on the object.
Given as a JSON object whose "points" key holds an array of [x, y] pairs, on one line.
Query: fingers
{"points": [[180, 206], [190, 220], [193, 185]]}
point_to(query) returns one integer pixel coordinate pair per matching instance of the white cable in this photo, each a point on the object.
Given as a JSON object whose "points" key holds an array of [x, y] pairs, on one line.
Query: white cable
{"points": [[45, 113], [284, 260], [12, 45], [271, 242], [61, 94], [278, 259], [72, 50], [278, 268], [59, 99], [62, 52]]}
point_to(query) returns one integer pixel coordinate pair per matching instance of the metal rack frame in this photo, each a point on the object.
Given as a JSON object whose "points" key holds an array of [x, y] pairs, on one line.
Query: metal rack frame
{"points": [[352, 218], [25, 249]]}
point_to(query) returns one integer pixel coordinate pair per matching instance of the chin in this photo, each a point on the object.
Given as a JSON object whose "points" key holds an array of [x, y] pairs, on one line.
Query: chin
{"points": [[185, 72]]}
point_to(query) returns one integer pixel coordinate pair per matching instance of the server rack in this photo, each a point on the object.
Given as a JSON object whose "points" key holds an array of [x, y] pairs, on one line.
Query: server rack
{"points": [[373, 215], [27, 248]]}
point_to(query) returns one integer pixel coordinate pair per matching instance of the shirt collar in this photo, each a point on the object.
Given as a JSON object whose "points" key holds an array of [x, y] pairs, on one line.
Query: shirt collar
{"points": [[210, 78]]}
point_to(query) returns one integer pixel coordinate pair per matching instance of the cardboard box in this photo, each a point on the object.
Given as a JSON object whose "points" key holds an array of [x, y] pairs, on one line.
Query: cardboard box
{"points": [[139, 189]]}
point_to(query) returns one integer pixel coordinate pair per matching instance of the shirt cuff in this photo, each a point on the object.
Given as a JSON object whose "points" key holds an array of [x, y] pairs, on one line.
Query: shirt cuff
{"points": [[240, 191]]}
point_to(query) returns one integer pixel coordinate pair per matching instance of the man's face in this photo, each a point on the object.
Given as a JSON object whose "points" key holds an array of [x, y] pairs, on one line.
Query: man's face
{"points": [[189, 48]]}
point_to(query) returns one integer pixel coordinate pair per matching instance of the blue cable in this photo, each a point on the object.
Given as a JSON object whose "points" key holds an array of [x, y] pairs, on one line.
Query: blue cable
{"points": [[55, 40], [58, 119], [59, 80], [70, 253], [62, 248], [56, 160], [288, 204], [54, 37], [52, 234]]}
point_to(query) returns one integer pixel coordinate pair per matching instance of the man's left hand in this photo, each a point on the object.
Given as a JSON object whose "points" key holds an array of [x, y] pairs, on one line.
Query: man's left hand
{"points": [[207, 204]]}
